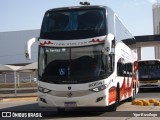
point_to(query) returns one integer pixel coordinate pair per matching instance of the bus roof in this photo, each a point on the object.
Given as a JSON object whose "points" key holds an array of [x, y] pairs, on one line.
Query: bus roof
{"points": [[77, 7], [153, 62], [149, 60]]}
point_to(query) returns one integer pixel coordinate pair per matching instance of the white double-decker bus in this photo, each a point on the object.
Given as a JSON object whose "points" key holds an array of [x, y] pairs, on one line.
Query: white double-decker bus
{"points": [[82, 59]]}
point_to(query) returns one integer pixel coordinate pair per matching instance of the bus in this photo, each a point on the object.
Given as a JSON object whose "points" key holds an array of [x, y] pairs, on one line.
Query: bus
{"points": [[149, 73], [82, 59]]}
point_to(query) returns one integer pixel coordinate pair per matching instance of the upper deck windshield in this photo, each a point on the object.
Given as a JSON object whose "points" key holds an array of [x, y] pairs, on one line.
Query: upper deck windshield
{"points": [[149, 70], [72, 65], [73, 24]]}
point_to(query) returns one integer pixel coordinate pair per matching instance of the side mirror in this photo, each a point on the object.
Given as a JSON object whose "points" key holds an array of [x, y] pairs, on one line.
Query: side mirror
{"points": [[28, 47], [108, 43]]}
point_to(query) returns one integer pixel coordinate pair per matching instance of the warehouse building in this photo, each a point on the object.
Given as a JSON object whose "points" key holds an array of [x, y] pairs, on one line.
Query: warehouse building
{"points": [[12, 47]]}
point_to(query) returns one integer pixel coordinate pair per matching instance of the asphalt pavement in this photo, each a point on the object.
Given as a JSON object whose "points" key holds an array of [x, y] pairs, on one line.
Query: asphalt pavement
{"points": [[125, 111], [20, 92]]}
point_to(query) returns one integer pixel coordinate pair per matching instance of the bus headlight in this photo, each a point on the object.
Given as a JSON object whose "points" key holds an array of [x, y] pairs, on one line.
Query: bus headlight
{"points": [[97, 89], [43, 90]]}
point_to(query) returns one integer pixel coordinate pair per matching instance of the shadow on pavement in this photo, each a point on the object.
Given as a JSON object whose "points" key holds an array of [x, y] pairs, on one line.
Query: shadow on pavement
{"points": [[52, 112], [149, 90]]}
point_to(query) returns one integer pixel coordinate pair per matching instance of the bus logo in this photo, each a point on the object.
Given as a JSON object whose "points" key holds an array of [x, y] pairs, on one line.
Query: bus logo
{"points": [[62, 71], [69, 87]]}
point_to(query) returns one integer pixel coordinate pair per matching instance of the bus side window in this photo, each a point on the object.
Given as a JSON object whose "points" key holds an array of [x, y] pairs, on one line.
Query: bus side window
{"points": [[125, 71], [120, 68], [113, 43], [110, 63], [128, 70]]}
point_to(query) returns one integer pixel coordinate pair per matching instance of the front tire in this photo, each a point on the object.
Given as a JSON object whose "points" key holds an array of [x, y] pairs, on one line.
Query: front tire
{"points": [[133, 96]]}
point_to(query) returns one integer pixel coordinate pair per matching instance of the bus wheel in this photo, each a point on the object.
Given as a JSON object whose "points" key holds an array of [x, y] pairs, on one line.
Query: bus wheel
{"points": [[114, 106], [60, 109], [130, 99], [102, 109]]}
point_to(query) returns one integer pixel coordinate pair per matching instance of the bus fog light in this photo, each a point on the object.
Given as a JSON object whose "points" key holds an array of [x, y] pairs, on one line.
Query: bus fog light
{"points": [[43, 100], [100, 99]]}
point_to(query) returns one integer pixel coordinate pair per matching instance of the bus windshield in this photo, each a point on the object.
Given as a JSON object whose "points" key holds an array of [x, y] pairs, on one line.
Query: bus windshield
{"points": [[73, 24], [71, 65], [149, 70]]}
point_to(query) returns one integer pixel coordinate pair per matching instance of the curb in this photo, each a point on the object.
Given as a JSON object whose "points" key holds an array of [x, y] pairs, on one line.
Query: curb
{"points": [[21, 98]]}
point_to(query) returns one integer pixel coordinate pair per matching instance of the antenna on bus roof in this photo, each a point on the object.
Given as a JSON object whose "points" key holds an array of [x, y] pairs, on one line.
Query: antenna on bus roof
{"points": [[84, 3]]}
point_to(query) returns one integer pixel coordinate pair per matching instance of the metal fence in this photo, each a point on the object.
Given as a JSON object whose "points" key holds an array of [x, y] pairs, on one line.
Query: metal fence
{"points": [[8, 77], [25, 85]]}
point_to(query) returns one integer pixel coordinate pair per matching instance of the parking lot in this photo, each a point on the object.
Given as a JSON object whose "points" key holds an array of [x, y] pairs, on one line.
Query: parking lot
{"points": [[125, 109]]}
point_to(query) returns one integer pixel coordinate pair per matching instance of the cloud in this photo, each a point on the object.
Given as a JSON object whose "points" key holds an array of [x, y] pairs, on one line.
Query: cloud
{"points": [[153, 1]]}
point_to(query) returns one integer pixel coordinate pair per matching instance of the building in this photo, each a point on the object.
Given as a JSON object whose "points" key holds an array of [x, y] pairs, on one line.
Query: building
{"points": [[156, 25], [12, 46]]}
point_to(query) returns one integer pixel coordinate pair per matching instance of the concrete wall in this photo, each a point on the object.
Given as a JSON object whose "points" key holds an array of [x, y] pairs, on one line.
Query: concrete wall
{"points": [[156, 24]]}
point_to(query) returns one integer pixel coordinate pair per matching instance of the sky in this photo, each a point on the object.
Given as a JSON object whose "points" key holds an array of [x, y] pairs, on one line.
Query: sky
{"points": [[16, 15]]}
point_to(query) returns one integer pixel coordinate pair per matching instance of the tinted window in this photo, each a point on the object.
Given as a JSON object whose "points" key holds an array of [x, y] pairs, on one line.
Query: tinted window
{"points": [[149, 70], [73, 24], [71, 65]]}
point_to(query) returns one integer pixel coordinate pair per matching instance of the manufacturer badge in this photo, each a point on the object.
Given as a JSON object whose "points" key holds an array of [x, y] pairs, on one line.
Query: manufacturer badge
{"points": [[69, 87]]}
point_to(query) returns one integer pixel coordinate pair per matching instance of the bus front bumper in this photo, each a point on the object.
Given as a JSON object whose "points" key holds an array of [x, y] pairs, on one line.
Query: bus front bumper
{"points": [[91, 100]]}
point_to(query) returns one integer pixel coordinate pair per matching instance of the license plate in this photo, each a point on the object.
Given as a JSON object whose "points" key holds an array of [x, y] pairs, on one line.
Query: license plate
{"points": [[70, 104]]}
